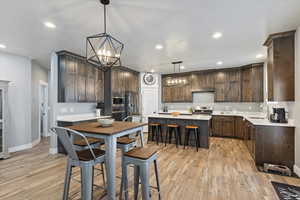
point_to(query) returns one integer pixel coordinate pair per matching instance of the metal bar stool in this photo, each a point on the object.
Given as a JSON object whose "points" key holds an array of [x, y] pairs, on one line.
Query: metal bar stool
{"points": [[155, 132], [85, 159], [170, 129], [80, 144], [125, 144], [195, 130], [141, 158]]}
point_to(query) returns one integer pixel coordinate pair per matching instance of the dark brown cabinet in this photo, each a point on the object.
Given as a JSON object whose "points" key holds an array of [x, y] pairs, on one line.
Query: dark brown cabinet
{"points": [[124, 80], [250, 137], [281, 66], [78, 81], [242, 84], [202, 81], [90, 84], [81, 81], [228, 86], [239, 128], [220, 86], [252, 83], [223, 126], [176, 88], [270, 144]]}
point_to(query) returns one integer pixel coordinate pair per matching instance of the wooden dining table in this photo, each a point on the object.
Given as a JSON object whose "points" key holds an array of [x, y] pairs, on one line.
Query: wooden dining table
{"points": [[110, 135]]}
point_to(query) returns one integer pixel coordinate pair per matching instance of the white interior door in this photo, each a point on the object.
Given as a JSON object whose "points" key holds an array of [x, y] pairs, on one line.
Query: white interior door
{"points": [[44, 107], [149, 103]]}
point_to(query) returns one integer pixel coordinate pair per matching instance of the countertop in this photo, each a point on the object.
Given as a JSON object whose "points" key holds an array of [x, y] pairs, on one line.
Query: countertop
{"points": [[79, 117], [256, 118], [183, 116]]}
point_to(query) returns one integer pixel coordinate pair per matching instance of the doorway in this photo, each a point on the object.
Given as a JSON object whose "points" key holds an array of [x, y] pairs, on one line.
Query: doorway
{"points": [[43, 110], [149, 104]]}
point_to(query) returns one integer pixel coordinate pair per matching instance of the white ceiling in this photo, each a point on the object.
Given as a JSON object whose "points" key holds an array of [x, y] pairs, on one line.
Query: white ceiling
{"points": [[184, 28]]}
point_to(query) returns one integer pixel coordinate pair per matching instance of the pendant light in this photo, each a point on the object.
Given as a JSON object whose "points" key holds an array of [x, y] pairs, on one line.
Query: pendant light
{"points": [[102, 49]]}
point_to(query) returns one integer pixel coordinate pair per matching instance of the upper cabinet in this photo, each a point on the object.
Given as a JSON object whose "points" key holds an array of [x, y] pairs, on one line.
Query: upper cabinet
{"points": [[78, 81], [176, 88], [124, 80], [242, 84], [228, 85], [203, 80], [281, 66], [252, 83]]}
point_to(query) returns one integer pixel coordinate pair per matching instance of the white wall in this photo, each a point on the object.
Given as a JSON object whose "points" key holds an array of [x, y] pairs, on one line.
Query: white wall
{"points": [[297, 101], [38, 74], [17, 69]]}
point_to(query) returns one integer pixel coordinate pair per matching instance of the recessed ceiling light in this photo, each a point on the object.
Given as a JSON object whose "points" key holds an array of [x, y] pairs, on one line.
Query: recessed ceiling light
{"points": [[182, 67], [217, 35], [259, 55], [219, 63], [159, 47], [2, 46], [49, 25]]}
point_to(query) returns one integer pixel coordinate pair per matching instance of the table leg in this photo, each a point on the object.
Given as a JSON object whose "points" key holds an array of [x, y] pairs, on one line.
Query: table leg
{"points": [[142, 137], [110, 159]]}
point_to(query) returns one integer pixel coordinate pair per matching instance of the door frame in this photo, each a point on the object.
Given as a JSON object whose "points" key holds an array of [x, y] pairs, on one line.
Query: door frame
{"points": [[42, 85]]}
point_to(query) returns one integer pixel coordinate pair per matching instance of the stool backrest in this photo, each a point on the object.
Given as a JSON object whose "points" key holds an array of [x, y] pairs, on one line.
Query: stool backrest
{"points": [[65, 136]]}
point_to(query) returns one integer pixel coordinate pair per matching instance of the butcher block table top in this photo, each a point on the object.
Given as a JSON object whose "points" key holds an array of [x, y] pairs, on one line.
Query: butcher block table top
{"points": [[95, 128]]}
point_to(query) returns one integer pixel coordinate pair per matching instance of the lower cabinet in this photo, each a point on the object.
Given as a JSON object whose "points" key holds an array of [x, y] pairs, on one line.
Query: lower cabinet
{"points": [[266, 144], [275, 145], [223, 126]]}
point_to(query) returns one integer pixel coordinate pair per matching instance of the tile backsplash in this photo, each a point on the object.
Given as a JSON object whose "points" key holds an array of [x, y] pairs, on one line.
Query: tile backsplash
{"points": [[76, 108], [249, 107]]}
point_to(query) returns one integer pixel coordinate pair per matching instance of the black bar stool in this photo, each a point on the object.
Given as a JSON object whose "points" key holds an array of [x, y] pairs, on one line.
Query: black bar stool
{"points": [[155, 132], [195, 130], [173, 128]]}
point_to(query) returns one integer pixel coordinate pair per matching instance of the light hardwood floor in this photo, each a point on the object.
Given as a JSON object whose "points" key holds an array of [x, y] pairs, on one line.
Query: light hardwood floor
{"points": [[224, 172]]}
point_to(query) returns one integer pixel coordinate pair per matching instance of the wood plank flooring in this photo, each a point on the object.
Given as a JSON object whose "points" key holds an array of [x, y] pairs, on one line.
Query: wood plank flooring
{"points": [[224, 172]]}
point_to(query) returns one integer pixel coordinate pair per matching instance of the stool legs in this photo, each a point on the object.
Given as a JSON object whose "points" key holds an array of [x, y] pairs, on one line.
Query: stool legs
{"points": [[87, 176], [122, 177], [67, 181], [186, 137], [196, 138], [156, 134], [136, 181], [124, 181], [157, 178], [145, 176]]}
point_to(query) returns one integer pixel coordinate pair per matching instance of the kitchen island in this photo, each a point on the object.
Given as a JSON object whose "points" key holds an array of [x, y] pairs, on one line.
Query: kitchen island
{"points": [[202, 121]]}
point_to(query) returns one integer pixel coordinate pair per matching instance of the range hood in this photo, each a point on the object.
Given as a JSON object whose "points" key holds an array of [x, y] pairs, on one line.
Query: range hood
{"points": [[203, 90]]}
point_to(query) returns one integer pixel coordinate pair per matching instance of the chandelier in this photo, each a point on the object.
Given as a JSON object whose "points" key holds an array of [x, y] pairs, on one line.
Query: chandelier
{"points": [[102, 49]]}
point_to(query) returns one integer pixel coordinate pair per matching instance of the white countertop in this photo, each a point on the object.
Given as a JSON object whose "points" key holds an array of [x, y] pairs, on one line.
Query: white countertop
{"points": [[191, 117], [266, 122], [256, 118], [79, 117]]}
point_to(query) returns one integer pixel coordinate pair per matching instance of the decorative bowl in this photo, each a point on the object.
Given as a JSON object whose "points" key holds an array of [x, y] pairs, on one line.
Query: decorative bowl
{"points": [[105, 122]]}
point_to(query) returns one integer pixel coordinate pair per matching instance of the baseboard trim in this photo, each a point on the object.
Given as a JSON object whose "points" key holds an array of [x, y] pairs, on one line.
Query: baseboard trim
{"points": [[19, 148], [24, 146], [297, 170], [53, 151], [36, 142]]}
